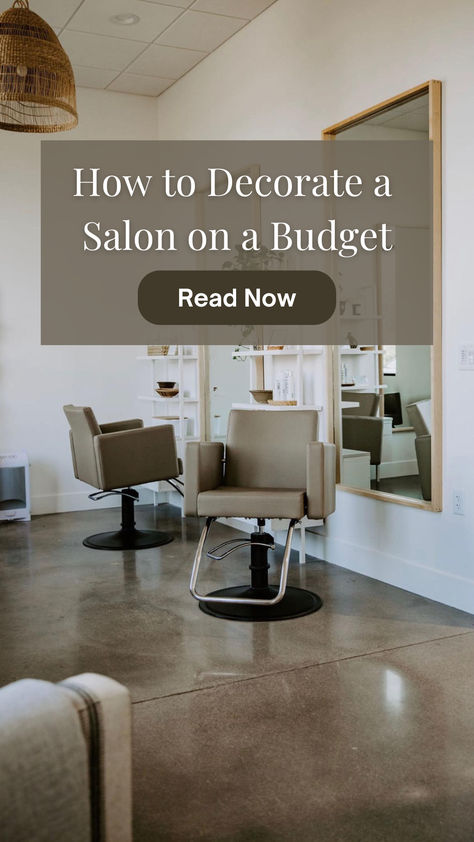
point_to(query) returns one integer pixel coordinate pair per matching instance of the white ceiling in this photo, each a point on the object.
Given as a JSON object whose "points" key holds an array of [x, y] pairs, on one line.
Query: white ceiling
{"points": [[145, 58]]}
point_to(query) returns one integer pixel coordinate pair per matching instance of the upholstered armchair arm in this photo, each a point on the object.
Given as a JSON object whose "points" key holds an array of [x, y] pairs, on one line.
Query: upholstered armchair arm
{"points": [[204, 471], [117, 426], [132, 457], [114, 792], [423, 456], [320, 479]]}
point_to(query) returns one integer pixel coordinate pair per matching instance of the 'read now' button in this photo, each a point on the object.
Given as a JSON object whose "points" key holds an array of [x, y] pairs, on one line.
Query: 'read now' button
{"points": [[223, 297]]}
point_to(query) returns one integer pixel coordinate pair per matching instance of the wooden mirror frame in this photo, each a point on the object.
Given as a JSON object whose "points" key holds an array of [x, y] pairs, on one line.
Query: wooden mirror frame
{"points": [[433, 89]]}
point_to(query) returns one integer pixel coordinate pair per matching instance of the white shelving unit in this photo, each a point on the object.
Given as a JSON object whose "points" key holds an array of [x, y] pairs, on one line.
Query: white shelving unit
{"points": [[185, 411], [308, 366], [363, 369]]}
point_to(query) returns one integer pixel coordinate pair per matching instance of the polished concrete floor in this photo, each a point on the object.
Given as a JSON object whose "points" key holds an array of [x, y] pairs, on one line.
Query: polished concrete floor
{"points": [[409, 486], [354, 724]]}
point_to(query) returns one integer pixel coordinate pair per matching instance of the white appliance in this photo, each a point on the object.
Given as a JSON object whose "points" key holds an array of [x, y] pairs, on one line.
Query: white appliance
{"points": [[14, 486]]}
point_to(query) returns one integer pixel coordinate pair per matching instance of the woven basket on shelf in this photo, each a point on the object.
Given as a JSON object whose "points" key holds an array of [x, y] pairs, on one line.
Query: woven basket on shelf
{"points": [[37, 91]]}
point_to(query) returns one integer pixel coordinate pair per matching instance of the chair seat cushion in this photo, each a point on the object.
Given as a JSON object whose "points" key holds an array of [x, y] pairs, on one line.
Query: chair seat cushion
{"points": [[228, 501]]}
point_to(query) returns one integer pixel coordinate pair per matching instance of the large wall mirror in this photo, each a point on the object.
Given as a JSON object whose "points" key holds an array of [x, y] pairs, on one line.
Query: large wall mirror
{"points": [[387, 398]]}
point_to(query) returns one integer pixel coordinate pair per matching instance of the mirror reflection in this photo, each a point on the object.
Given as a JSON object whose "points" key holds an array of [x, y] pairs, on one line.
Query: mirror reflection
{"points": [[386, 419], [385, 391]]}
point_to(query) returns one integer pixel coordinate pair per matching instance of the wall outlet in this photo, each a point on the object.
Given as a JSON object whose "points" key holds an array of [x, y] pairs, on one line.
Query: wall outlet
{"points": [[466, 357], [458, 503]]}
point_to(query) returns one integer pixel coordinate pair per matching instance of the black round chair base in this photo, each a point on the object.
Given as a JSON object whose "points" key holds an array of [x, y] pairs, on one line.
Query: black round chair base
{"points": [[295, 603], [139, 539]]}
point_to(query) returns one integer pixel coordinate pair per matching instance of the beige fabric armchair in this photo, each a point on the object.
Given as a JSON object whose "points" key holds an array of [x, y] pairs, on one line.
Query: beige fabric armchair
{"points": [[65, 761], [274, 467], [116, 456]]}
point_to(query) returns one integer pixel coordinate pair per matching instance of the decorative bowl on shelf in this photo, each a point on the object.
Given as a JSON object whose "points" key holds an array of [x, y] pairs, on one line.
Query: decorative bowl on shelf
{"points": [[166, 384], [167, 393], [262, 395]]}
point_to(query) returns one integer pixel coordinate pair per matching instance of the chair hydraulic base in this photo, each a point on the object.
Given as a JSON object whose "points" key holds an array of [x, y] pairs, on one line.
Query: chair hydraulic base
{"points": [[295, 603], [260, 601], [136, 539], [128, 537]]}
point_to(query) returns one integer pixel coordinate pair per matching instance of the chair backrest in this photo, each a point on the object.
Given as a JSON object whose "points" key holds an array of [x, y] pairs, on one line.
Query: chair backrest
{"points": [[368, 403], [363, 433], [83, 427], [267, 449]]}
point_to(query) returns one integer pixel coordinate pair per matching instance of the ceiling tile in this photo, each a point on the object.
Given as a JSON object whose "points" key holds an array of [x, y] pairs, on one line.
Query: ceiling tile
{"points": [[54, 13], [199, 31], [92, 77], [131, 83], [96, 17], [183, 4], [235, 8], [168, 62], [89, 50]]}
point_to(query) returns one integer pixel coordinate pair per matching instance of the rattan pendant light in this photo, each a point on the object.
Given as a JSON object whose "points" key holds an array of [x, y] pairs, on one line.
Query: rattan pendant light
{"points": [[37, 91]]}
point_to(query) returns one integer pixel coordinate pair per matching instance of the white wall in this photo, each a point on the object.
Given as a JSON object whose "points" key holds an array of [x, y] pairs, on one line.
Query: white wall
{"points": [[229, 382], [36, 381], [301, 66]]}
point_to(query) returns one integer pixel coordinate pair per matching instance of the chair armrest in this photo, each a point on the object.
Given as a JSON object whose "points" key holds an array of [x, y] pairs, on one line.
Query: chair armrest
{"points": [[133, 457], [363, 432], [117, 426], [204, 471], [423, 457], [113, 704], [320, 479]]}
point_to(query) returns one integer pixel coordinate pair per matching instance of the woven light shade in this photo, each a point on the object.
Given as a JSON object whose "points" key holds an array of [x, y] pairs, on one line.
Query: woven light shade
{"points": [[37, 91]]}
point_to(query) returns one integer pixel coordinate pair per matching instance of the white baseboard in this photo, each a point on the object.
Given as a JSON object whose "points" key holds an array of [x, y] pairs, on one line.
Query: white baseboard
{"points": [[401, 468], [78, 501], [410, 575]]}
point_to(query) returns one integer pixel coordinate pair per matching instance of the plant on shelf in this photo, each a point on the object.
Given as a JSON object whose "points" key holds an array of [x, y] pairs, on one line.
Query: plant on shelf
{"points": [[259, 260]]}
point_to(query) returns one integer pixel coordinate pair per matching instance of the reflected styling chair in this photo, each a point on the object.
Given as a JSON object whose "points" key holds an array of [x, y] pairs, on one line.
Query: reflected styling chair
{"points": [[361, 432], [274, 467], [113, 458]]}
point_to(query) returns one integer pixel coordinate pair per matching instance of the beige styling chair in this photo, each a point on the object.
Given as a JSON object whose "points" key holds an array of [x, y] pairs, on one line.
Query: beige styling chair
{"points": [[113, 458], [274, 467], [361, 428], [364, 433], [65, 761]]}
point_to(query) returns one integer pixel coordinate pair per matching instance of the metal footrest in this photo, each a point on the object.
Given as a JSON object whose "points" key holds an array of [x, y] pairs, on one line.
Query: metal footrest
{"points": [[234, 544], [245, 600]]}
